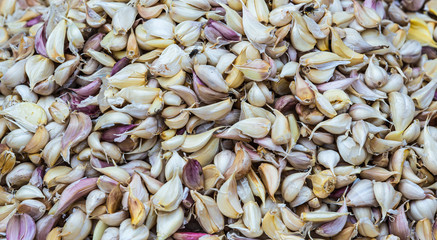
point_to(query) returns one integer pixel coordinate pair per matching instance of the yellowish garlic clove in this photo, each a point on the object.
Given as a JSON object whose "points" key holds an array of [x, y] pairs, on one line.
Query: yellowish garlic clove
{"points": [[208, 213], [227, 199]]}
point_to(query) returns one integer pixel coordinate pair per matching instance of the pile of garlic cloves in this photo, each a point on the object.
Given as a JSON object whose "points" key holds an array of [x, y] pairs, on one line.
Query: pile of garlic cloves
{"points": [[218, 119]]}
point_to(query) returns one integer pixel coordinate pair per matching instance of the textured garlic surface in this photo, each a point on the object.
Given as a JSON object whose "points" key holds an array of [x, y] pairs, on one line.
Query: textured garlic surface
{"points": [[218, 119]]}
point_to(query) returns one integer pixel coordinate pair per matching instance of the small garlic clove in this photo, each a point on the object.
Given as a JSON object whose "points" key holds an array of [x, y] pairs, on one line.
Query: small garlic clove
{"points": [[168, 223], [208, 214], [292, 185], [361, 194]]}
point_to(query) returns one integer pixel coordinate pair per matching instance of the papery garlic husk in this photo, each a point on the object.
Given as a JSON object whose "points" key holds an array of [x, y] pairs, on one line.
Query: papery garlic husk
{"points": [[227, 199], [208, 213], [361, 194], [292, 185], [387, 197]]}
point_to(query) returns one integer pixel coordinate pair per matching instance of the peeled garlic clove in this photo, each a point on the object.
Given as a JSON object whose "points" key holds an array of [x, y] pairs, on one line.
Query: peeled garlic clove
{"points": [[20, 175], [422, 98], [411, 190], [213, 111], [361, 194], [270, 177], [255, 96], [375, 76], [208, 214], [75, 191], [337, 125], [421, 209], [26, 115], [256, 32], [328, 158], [273, 226], [386, 196], [34, 208], [256, 185], [195, 142], [28, 192], [129, 231], [168, 223], [21, 227], [253, 127], [94, 199], [55, 42], [227, 199], [169, 196], [292, 185]]}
